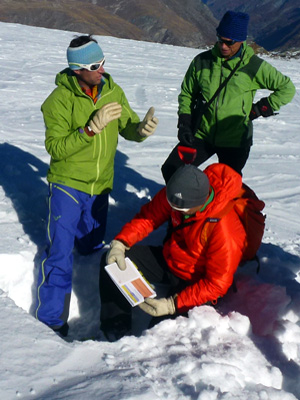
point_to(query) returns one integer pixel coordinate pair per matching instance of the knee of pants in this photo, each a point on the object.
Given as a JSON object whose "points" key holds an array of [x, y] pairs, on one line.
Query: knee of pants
{"points": [[91, 242], [92, 226], [168, 170]]}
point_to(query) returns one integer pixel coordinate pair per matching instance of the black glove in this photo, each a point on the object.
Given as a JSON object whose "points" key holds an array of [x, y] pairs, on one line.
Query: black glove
{"points": [[185, 134], [261, 108]]}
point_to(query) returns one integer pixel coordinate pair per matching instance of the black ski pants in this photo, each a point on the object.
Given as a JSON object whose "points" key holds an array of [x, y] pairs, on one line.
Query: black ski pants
{"points": [[151, 263], [235, 157]]}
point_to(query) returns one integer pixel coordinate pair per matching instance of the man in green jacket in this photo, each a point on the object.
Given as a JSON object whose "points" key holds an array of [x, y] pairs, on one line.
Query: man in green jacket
{"points": [[83, 117], [224, 126]]}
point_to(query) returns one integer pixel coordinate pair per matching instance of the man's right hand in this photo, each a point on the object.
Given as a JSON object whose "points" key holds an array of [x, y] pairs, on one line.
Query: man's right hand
{"points": [[109, 112], [117, 254], [185, 136]]}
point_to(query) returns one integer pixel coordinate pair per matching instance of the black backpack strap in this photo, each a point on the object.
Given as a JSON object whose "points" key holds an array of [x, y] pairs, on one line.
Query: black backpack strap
{"points": [[183, 225], [201, 106], [172, 229]]}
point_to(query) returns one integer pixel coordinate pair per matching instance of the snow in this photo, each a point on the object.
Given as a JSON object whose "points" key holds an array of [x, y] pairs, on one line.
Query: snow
{"points": [[248, 347]]}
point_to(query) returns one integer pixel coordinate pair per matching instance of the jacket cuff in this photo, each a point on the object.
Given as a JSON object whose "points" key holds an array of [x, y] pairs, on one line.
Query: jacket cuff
{"points": [[184, 120]]}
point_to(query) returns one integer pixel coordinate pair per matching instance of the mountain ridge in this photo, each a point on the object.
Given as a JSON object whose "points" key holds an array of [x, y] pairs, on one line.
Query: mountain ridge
{"points": [[163, 21], [274, 26]]}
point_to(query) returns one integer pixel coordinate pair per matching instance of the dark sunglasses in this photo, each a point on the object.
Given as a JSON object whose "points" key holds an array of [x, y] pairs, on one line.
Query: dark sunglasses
{"points": [[227, 42]]}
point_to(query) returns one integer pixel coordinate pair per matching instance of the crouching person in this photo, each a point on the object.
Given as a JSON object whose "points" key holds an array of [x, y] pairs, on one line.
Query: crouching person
{"points": [[205, 244]]}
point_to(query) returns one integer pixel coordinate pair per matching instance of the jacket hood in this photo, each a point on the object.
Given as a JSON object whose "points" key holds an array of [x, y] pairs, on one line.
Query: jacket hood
{"points": [[226, 183], [67, 79]]}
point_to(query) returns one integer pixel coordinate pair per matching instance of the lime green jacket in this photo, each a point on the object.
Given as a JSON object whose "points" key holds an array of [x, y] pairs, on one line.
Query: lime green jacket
{"points": [[226, 123], [77, 160]]}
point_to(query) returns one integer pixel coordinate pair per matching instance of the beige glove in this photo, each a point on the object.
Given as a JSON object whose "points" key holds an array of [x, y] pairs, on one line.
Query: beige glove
{"points": [[117, 254], [106, 114], [160, 307], [149, 123]]}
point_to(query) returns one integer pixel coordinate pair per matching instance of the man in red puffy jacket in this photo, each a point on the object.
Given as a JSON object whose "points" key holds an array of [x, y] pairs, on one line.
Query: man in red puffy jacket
{"points": [[195, 272]]}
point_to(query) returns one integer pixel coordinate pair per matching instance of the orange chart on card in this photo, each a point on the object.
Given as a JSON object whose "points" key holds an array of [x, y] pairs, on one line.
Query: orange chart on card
{"points": [[142, 288]]}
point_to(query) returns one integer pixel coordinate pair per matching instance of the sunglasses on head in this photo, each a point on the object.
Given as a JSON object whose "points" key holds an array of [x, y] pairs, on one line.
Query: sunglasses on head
{"points": [[227, 42], [90, 67], [178, 208]]}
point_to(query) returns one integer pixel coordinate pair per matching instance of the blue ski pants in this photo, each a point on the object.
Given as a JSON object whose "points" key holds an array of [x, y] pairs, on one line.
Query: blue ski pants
{"points": [[75, 218]]}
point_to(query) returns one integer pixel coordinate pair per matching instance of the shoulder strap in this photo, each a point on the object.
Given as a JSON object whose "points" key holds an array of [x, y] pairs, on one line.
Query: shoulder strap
{"points": [[172, 229], [209, 223], [204, 107], [252, 67], [183, 225], [223, 84]]}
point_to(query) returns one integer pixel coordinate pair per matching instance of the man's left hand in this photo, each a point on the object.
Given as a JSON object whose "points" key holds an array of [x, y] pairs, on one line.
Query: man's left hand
{"points": [[158, 308], [261, 108], [148, 125]]}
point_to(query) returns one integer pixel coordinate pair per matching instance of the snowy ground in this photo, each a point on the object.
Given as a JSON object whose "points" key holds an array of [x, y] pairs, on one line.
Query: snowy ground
{"points": [[246, 348]]}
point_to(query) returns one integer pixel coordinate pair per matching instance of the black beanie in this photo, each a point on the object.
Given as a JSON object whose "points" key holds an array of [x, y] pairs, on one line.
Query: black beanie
{"points": [[188, 187]]}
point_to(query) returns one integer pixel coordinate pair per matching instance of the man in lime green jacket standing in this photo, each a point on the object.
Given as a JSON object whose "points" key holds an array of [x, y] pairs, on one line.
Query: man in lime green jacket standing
{"points": [[223, 126], [83, 117]]}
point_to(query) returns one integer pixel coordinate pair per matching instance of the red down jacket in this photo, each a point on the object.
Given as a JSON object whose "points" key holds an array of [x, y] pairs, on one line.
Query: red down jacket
{"points": [[210, 267]]}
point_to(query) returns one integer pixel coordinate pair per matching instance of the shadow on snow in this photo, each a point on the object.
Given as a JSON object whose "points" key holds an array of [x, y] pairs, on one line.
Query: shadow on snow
{"points": [[263, 298]]}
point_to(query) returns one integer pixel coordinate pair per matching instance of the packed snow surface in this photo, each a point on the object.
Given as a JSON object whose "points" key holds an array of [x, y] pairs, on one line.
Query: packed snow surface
{"points": [[247, 347]]}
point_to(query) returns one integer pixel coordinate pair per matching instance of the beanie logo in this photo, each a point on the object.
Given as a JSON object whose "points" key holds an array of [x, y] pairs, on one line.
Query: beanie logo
{"points": [[179, 195]]}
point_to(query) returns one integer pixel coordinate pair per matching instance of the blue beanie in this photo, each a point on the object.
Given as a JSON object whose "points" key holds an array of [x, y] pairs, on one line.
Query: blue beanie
{"points": [[234, 26], [88, 53]]}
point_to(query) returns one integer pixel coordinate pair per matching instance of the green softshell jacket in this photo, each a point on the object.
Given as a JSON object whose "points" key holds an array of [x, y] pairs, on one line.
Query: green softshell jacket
{"points": [[226, 123], [77, 160]]}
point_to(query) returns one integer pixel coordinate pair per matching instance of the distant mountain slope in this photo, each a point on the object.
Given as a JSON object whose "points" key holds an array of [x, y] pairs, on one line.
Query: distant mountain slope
{"points": [[189, 23], [77, 16], [275, 25]]}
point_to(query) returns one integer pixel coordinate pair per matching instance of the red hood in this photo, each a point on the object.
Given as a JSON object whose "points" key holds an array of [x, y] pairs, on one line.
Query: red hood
{"points": [[226, 184]]}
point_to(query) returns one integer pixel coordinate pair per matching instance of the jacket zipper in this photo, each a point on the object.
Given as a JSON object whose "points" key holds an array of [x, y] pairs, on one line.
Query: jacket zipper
{"points": [[98, 138], [216, 108]]}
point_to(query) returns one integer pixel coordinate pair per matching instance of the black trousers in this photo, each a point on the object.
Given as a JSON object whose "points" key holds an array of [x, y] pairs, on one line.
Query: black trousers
{"points": [[235, 157], [151, 263]]}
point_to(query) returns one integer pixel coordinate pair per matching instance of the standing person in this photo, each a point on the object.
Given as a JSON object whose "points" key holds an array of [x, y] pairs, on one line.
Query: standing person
{"points": [[224, 127], [197, 266], [83, 117]]}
